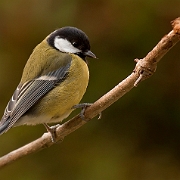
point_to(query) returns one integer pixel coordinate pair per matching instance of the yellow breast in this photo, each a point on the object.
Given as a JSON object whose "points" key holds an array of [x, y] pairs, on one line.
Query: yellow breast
{"points": [[58, 103]]}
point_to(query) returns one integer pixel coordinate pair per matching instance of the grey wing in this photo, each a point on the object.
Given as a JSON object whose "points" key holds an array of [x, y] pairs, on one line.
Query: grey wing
{"points": [[27, 95]]}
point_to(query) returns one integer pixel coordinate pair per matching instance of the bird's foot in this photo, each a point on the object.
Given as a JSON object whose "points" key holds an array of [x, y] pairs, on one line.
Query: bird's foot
{"points": [[52, 130], [83, 106]]}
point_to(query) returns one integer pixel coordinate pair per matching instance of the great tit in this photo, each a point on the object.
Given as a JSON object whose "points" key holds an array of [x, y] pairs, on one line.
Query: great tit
{"points": [[54, 79]]}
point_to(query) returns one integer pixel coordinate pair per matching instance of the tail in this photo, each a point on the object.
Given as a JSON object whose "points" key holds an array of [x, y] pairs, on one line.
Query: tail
{"points": [[4, 126]]}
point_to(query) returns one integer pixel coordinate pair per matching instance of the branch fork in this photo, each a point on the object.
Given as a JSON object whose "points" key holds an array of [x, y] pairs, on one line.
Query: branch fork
{"points": [[144, 69]]}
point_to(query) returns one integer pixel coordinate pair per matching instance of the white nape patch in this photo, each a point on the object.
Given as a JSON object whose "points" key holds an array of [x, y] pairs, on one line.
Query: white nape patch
{"points": [[64, 45], [47, 78]]}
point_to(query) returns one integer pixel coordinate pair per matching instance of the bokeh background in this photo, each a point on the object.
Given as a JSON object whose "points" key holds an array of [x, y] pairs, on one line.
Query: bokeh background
{"points": [[138, 137]]}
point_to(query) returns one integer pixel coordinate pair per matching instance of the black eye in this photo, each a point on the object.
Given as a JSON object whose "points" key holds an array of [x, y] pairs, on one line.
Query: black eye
{"points": [[75, 44]]}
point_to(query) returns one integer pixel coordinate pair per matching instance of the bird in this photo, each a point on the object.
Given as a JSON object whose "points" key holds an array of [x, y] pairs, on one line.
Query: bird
{"points": [[53, 81]]}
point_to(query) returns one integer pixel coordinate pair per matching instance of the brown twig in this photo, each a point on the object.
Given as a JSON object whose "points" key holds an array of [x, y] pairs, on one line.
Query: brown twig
{"points": [[144, 69]]}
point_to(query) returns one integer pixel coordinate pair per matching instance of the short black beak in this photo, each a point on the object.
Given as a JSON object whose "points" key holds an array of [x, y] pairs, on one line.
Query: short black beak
{"points": [[89, 54]]}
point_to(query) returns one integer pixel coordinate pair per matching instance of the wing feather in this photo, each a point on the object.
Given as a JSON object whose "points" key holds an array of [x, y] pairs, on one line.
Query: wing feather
{"points": [[27, 95]]}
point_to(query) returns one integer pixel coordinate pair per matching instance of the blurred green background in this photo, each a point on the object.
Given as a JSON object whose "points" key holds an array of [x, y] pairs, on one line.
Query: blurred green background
{"points": [[138, 137]]}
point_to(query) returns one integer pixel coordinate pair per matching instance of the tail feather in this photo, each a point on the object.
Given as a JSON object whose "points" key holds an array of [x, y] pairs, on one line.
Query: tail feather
{"points": [[4, 126]]}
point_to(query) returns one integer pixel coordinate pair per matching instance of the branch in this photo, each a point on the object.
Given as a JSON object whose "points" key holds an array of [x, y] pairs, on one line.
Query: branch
{"points": [[144, 69]]}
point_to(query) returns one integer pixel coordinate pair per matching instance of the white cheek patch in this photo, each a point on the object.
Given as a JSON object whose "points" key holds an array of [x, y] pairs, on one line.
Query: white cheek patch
{"points": [[64, 45]]}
